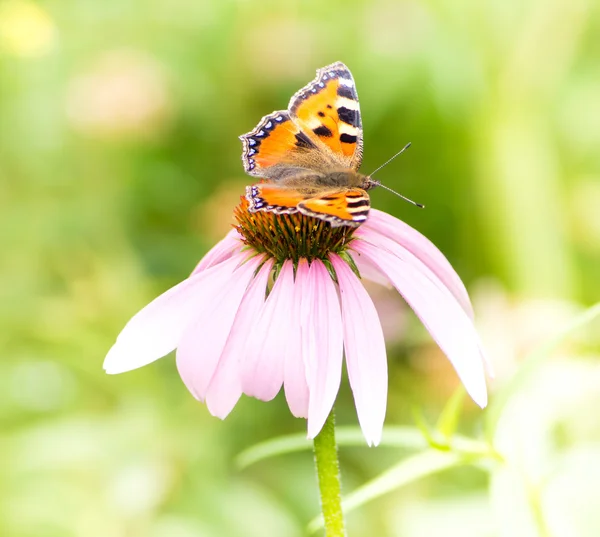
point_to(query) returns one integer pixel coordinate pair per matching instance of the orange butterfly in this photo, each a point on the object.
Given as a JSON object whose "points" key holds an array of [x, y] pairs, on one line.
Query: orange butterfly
{"points": [[309, 155]]}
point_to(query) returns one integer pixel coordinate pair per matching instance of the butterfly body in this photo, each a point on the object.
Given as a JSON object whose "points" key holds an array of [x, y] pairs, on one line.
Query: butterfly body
{"points": [[308, 156]]}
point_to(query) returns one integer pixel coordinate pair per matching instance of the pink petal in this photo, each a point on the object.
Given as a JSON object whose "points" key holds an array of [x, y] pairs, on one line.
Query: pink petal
{"points": [[262, 372], [368, 271], [435, 305], [388, 226], [322, 344], [226, 385], [364, 347], [204, 339], [294, 374], [156, 329], [221, 251]]}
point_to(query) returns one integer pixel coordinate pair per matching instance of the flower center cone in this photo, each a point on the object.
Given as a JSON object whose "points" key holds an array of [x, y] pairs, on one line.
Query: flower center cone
{"points": [[290, 236]]}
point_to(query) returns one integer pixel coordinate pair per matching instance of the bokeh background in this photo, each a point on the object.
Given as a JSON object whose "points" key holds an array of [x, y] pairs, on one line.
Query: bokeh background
{"points": [[119, 167]]}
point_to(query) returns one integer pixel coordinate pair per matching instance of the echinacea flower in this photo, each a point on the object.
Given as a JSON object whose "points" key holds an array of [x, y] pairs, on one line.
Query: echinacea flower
{"points": [[280, 302]]}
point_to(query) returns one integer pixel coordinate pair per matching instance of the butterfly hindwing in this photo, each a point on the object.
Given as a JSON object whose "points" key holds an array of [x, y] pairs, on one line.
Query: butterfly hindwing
{"points": [[327, 110], [273, 198], [348, 207]]}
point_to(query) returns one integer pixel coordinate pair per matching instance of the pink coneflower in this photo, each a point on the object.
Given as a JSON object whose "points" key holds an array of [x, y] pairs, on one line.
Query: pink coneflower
{"points": [[279, 302]]}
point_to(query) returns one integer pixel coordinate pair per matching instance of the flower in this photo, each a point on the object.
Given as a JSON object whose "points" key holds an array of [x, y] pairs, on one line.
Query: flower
{"points": [[279, 302]]}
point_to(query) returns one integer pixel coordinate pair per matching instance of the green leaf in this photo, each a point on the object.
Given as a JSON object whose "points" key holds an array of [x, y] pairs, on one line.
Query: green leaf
{"points": [[399, 437], [427, 431], [448, 420], [271, 448]]}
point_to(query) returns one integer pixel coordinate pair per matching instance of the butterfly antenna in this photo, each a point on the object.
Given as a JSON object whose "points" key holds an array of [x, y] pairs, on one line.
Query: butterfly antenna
{"points": [[377, 183], [419, 205], [390, 160]]}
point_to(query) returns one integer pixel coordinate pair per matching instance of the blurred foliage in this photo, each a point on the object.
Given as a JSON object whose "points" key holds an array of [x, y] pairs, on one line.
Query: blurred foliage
{"points": [[119, 166]]}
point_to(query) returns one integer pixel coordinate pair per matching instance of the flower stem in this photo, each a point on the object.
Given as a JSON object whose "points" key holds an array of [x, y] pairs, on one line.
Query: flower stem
{"points": [[328, 472]]}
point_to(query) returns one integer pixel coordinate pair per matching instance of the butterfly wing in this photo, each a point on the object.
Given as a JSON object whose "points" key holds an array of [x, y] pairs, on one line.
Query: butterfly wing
{"points": [[348, 207], [327, 110], [276, 148], [322, 130], [273, 198]]}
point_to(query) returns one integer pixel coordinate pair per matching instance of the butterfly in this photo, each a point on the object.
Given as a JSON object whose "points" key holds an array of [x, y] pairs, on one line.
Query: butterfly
{"points": [[308, 156]]}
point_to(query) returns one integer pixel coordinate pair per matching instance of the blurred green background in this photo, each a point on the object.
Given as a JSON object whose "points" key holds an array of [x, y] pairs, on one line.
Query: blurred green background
{"points": [[119, 167]]}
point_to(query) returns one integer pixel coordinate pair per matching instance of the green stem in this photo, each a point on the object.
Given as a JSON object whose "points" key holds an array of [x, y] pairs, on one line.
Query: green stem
{"points": [[328, 472]]}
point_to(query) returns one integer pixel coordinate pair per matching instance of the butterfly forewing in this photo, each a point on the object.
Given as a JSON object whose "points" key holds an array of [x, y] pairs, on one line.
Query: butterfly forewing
{"points": [[327, 110], [275, 147]]}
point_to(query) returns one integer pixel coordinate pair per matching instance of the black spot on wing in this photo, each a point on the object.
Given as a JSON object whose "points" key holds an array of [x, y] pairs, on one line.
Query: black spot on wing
{"points": [[348, 138], [322, 130], [321, 114], [351, 117], [303, 142]]}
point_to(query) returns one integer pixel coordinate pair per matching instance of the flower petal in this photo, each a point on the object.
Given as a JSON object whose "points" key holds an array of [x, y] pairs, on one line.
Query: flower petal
{"points": [[220, 252], [156, 329], [226, 385], [203, 341], [364, 347], [368, 271], [400, 232], [437, 308], [294, 371], [322, 345], [262, 371]]}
